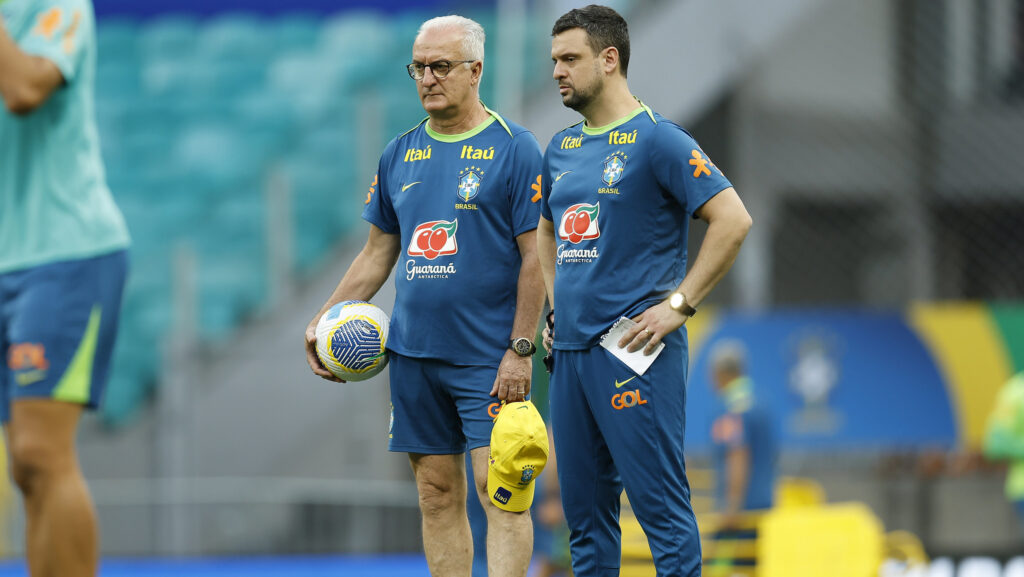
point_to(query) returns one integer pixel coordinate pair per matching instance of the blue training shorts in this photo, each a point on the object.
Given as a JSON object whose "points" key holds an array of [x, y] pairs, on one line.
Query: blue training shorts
{"points": [[58, 323], [438, 408]]}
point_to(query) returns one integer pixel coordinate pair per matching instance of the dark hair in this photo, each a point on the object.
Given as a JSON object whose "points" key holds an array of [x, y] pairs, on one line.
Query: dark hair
{"points": [[604, 28]]}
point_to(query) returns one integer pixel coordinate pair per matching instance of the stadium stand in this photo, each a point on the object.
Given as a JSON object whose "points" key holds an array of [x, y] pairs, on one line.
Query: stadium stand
{"points": [[193, 116]]}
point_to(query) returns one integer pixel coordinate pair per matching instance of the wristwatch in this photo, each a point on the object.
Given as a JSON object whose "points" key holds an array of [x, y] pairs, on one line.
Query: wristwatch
{"points": [[522, 346], [678, 303]]}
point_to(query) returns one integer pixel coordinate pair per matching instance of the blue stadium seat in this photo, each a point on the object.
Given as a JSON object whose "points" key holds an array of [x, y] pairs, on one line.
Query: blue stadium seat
{"points": [[234, 37], [361, 33], [116, 40], [218, 152], [268, 111], [117, 79], [326, 203], [404, 27], [306, 80], [168, 37], [296, 32]]}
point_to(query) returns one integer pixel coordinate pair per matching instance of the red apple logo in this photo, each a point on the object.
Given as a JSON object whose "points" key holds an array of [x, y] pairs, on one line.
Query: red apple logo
{"points": [[579, 223], [433, 239]]}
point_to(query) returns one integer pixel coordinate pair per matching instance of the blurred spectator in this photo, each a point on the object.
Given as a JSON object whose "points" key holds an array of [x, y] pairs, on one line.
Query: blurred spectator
{"points": [[1004, 438], [744, 453]]}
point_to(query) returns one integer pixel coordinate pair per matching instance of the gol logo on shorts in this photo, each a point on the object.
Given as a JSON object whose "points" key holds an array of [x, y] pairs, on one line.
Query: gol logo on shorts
{"points": [[29, 361], [493, 409], [627, 399]]}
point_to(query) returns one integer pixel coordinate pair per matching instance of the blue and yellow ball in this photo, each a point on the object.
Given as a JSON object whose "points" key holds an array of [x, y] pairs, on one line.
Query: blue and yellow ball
{"points": [[351, 340]]}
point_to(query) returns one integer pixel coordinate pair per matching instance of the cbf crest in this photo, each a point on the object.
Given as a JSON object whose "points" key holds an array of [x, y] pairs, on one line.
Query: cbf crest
{"points": [[528, 472], [614, 166], [470, 179]]}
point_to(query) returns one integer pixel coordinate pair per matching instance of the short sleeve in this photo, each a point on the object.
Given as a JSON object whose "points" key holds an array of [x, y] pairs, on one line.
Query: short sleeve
{"points": [[683, 169], [378, 210], [729, 430], [59, 34], [545, 187], [525, 183]]}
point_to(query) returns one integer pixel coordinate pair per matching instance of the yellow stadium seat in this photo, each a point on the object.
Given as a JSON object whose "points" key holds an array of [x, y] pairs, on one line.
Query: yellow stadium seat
{"points": [[906, 548], [796, 492], [844, 540]]}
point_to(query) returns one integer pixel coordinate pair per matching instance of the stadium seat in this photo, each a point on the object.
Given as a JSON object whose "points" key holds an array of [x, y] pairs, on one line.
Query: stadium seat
{"points": [[296, 32], [168, 37], [305, 80], [1014, 567], [217, 152], [361, 33], [167, 75], [267, 110], [942, 567], [319, 213], [979, 567], [836, 540], [404, 26], [234, 37], [116, 40], [798, 492], [899, 568], [118, 80]]}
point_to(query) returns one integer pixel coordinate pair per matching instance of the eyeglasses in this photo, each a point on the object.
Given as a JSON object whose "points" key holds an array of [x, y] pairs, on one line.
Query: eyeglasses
{"points": [[440, 68]]}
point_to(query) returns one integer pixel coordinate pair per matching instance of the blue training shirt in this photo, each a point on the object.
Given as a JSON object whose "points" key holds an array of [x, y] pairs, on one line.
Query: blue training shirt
{"points": [[458, 203], [620, 197]]}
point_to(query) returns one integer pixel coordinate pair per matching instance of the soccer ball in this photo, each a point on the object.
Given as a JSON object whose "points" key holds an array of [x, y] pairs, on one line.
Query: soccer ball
{"points": [[351, 339]]}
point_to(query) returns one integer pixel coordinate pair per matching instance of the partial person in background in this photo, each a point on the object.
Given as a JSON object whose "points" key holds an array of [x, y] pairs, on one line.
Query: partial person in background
{"points": [[745, 452], [63, 263], [552, 550], [455, 198], [1004, 439], [618, 192]]}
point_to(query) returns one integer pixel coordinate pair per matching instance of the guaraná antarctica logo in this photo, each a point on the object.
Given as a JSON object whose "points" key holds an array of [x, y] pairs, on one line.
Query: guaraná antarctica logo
{"points": [[431, 240]]}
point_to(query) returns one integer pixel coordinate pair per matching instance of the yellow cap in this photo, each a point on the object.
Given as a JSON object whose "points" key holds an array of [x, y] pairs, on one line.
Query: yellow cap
{"points": [[519, 451]]}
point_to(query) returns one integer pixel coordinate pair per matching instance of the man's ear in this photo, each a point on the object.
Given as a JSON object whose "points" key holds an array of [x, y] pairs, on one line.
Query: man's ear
{"points": [[609, 59], [477, 69]]}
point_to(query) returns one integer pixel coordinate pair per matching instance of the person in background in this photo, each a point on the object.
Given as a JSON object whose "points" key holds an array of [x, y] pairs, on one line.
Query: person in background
{"points": [[1004, 439], [745, 453], [63, 265]]}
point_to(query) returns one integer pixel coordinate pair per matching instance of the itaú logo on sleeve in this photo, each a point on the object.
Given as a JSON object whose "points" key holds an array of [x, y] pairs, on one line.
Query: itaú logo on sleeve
{"points": [[627, 399], [579, 223]]}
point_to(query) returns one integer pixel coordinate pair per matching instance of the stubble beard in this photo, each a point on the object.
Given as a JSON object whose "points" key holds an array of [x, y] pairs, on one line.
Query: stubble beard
{"points": [[581, 99]]}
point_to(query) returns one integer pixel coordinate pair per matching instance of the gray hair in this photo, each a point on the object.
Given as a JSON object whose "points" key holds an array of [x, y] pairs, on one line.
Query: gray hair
{"points": [[729, 355], [472, 33]]}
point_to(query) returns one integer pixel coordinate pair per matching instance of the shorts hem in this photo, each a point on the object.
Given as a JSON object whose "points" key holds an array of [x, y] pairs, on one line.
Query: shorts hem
{"points": [[61, 257], [426, 450]]}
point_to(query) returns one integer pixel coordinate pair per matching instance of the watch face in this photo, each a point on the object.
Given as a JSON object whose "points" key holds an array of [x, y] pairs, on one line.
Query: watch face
{"points": [[676, 301], [522, 347]]}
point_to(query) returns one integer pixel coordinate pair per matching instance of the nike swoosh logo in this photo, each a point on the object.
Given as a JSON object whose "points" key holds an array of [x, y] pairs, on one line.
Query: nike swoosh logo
{"points": [[406, 187], [618, 384], [559, 177]]}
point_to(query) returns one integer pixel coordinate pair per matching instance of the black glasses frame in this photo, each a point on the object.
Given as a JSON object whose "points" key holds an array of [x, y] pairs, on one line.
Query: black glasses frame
{"points": [[412, 69]]}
